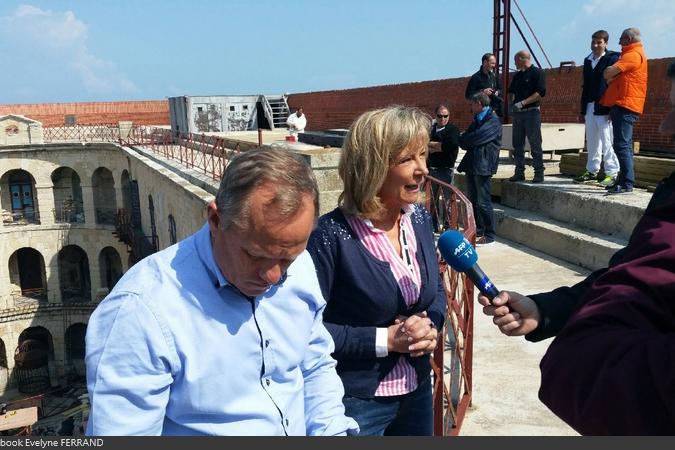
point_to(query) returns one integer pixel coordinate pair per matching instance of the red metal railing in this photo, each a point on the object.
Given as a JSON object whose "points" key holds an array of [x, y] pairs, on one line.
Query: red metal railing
{"points": [[207, 154], [453, 358]]}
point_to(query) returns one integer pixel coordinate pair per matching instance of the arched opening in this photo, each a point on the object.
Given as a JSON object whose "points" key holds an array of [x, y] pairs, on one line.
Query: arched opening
{"points": [[172, 230], [27, 276], [4, 368], [74, 277], [153, 226], [75, 350], [68, 205], [19, 199], [105, 202], [32, 356], [126, 191], [110, 267]]}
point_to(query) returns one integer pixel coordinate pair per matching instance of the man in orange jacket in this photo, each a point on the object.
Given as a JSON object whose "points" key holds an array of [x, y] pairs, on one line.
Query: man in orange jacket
{"points": [[626, 96]]}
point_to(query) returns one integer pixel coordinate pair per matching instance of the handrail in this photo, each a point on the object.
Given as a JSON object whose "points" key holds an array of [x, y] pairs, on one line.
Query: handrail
{"points": [[451, 209], [269, 114]]}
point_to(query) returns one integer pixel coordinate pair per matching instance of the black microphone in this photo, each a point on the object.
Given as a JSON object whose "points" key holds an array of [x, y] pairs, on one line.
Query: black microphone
{"points": [[460, 254]]}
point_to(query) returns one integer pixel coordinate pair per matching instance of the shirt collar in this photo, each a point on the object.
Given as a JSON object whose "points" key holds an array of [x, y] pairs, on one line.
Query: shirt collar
{"points": [[407, 211], [593, 58], [205, 251]]}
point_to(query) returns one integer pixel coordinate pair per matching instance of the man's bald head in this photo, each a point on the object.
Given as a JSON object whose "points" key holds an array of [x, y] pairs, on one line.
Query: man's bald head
{"points": [[522, 59]]}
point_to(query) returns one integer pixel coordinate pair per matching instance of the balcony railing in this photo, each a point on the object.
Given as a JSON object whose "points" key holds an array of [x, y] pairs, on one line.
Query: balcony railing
{"points": [[69, 212], [20, 218], [82, 133], [29, 297], [106, 216]]}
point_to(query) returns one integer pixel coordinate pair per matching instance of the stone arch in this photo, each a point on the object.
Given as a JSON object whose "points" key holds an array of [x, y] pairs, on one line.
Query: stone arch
{"points": [[172, 230], [75, 349], [33, 354], [74, 279], [105, 201], [153, 224], [19, 198], [125, 183], [110, 267], [27, 275], [68, 204], [3, 354]]}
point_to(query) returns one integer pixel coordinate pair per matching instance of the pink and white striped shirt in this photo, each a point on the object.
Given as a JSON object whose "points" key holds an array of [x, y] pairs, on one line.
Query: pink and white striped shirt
{"points": [[402, 379]]}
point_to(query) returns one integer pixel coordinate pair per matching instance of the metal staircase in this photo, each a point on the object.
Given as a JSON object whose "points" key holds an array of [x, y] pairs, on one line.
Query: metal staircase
{"points": [[276, 110]]}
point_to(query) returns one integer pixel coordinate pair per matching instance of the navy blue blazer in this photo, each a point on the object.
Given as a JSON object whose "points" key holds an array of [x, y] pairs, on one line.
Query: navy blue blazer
{"points": [[362, 295]]}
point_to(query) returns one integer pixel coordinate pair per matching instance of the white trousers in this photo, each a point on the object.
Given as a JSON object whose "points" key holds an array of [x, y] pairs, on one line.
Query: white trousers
{"points": [[599, 143]]}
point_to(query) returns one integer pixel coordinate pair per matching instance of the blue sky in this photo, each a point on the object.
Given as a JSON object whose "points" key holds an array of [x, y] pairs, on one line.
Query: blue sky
{"points": [[102, 50]]}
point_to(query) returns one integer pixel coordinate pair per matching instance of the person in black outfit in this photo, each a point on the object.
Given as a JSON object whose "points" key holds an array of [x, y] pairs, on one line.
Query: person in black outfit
{"points": [[482, 142], [528, 86], [443, 150], [443, 146], [487, 80]]}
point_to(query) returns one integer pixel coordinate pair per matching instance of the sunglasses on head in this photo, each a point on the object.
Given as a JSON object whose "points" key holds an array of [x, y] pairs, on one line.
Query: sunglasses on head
{"points": [[441, 116]]}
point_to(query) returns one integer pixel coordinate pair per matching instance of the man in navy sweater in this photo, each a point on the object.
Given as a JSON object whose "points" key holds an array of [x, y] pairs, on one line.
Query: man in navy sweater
{"points": [[596, 116]]}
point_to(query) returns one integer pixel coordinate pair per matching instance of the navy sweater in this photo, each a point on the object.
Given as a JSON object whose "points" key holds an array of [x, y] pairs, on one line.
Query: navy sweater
{"points": [[595, 84], [362, 295]]}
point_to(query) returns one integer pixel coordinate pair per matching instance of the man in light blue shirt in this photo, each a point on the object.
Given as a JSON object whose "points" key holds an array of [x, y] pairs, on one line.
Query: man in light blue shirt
{"points": [[222, 333]]}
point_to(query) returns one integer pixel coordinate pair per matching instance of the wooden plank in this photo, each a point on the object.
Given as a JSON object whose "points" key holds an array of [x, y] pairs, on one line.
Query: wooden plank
{"points": [[18, 418]]}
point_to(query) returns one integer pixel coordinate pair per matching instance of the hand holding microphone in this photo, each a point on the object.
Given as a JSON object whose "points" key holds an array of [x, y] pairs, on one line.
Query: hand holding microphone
{"points": [[514, 313]]}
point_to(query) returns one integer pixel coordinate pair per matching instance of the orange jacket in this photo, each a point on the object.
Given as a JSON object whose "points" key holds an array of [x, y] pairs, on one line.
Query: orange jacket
{"points": [[629, 88]]}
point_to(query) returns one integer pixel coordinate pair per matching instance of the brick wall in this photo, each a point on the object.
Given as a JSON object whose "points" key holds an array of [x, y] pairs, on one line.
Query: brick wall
{"points": [[152, 112], [337, 109]]}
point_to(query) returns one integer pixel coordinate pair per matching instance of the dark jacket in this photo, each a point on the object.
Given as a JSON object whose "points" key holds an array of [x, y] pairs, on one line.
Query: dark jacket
{"points": [[611, 370], [594, 83], [448, 136], [482, 142], [480, 81], [362, 294]]}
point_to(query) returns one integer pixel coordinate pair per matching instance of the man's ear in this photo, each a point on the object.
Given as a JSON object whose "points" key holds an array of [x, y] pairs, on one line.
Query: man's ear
{"points": [[212, 216]]}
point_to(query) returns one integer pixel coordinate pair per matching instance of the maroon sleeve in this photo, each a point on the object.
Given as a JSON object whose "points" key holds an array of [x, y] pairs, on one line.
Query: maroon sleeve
{"points": [[611, 370]]}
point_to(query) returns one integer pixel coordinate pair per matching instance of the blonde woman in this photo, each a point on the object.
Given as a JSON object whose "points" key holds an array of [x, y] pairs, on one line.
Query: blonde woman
{"points": [[377, 267]]}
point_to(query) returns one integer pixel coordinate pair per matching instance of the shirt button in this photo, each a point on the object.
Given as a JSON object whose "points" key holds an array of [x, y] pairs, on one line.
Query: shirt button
{"points": [[267, 381], [267, 343]]}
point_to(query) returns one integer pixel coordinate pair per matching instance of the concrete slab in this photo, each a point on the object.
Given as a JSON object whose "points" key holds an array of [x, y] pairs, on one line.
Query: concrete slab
{"points": [[570, 243], [582, 205], [506, 369]]}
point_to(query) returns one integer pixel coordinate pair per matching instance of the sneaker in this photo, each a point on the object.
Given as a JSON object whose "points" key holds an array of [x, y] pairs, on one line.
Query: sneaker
{"points": [[607, 181], [516, 178], [619, 189], [484, 240], [538, 179], [586, 177]]}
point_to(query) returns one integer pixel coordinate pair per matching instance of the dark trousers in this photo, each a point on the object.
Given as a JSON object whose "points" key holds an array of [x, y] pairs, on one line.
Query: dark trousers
{"points": [[527, 123], [623, 121], [478, 187]]}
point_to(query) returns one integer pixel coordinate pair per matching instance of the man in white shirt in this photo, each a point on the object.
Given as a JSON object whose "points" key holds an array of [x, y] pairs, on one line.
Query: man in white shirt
{"points": [[296, 122], [596, 116]]}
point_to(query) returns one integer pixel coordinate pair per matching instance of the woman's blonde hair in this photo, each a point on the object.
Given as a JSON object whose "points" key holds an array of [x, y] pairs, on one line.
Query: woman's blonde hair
{"points": [[374, 141]]}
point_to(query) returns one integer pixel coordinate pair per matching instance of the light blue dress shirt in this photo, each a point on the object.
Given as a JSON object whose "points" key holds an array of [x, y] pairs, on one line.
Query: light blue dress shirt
{"points": [[176, 350]]}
